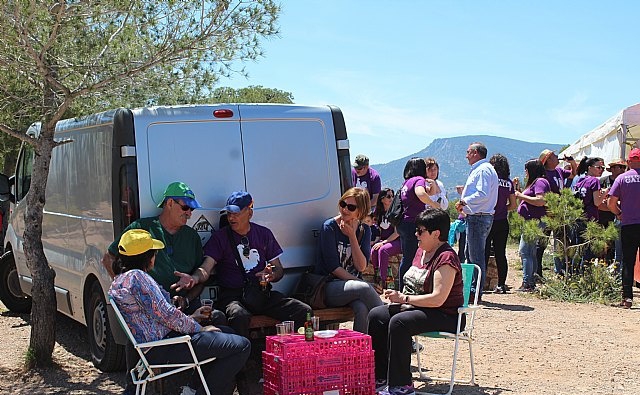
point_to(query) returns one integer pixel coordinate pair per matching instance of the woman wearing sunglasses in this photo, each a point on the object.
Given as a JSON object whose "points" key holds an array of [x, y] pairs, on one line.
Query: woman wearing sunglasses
{"points": [[588, 189], [343, 253], [389, 243]]}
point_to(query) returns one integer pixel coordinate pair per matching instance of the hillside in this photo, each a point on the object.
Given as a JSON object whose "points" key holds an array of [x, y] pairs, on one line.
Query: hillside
{"points": [[454, 168]]}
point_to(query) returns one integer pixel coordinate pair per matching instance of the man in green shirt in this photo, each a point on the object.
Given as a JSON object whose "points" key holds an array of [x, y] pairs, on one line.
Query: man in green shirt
{"points": [[178, 266]]}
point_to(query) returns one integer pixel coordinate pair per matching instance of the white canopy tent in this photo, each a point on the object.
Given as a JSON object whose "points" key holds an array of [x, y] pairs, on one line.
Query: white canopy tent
{"points": [[610, 141]]}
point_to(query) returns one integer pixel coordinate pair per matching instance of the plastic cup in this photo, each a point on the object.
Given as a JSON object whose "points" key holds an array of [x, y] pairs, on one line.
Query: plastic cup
{"points": [[291, 326], [315, 321], [281, 329], [208, 303]]}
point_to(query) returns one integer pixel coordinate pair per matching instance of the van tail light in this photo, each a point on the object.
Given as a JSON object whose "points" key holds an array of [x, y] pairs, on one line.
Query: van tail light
{"points": [[224, 113]]}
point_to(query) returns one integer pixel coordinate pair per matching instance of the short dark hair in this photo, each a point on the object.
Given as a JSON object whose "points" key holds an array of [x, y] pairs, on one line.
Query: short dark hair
{"points": [[501, 164], [124, 263], [435, 219], [415, 167]]}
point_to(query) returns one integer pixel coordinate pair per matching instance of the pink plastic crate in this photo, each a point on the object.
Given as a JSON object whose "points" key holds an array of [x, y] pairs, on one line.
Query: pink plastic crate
{"points": [[341, 365]]}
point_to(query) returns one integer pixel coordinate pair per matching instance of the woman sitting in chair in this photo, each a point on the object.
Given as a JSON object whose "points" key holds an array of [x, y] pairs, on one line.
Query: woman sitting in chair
{"points": [[428, 302], [149, 314]]}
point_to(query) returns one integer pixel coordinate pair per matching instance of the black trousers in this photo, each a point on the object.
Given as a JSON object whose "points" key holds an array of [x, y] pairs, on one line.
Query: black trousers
{"points": [[391, 330], [278, 307], [498, 238], [630, 238]]}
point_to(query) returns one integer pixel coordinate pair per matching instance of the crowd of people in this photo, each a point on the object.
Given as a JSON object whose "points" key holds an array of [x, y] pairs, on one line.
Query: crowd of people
{"points": [[159, 265]]}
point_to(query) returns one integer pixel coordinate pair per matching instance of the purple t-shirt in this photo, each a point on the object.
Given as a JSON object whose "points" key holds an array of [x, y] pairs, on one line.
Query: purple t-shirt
{"points": [[627, 188], [370, 181], [528, 211], [556, 178], [262, 248], [585, 189], [410, 201], [505, 189], [386, 229]]}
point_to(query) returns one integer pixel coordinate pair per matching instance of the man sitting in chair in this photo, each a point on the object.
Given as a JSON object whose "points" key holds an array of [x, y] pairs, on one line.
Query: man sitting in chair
{"points": [[247, 259], [428, 302], [149, 313]]}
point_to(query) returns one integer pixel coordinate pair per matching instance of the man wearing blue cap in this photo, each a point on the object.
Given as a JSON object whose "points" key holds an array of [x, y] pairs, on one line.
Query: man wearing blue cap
{"points": [[244, 253]]}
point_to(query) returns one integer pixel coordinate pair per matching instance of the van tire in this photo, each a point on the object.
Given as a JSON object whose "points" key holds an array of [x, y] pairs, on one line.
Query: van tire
{"points": [[10, 292], [106, 354]]}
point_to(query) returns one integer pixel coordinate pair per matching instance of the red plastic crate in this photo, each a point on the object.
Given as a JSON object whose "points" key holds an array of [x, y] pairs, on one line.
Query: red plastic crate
{"points": [[341, 365]]}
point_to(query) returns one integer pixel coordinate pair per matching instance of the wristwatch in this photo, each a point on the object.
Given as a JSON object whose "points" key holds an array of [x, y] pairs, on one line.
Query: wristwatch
{"points": [[406, 298]]}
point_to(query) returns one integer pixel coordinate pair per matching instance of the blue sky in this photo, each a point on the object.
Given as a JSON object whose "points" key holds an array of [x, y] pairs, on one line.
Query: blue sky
{"points": [[407, 72]]}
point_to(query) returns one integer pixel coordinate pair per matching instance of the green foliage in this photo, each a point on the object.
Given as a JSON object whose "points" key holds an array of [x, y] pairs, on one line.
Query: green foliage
{"points": [[251, 94], [596, 284], [453, 213]]}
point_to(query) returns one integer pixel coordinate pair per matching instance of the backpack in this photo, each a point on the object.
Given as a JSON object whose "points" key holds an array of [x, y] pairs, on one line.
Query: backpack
{"points": [[396, 210]]}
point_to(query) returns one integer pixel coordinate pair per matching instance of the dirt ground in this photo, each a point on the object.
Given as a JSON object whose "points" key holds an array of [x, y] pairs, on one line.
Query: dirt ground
{"points": [[524, 346]]}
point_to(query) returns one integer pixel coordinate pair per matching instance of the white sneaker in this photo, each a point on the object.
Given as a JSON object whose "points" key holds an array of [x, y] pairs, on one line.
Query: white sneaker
{"points": [[186, 390]]}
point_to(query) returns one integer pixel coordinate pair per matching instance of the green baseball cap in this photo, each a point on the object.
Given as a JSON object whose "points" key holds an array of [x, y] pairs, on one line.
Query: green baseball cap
{"points": [[180, 190]]}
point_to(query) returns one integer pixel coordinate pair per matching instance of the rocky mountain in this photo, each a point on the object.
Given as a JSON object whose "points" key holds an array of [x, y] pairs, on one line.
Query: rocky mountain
{"points": [[454, 168]]}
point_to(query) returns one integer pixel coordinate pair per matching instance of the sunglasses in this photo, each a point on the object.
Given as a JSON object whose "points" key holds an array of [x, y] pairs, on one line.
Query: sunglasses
{"points": [[350, 207], [245, 246], [359, 168], [420, 231], [184, 207], [388, 196], [599, 167]]}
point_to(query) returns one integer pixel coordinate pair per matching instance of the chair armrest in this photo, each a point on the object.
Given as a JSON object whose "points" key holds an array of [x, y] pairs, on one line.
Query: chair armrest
{"points": [[164, 342]]}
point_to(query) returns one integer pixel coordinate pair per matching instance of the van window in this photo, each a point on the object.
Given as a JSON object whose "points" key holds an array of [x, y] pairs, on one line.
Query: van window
{"points": [[23, 171], [287, 160]]}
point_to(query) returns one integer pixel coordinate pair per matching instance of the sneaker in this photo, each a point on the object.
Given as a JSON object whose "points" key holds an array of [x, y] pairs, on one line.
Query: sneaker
{"points": [[402, 390], [186, 390], [381, 384], [626, 303], [526, 288], [415, 347], [500, 289]]}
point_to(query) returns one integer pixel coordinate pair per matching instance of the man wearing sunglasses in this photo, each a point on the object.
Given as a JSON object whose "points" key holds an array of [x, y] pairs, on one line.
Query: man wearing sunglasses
{"points": [[178, 266], [366, 177], [244, 253]]}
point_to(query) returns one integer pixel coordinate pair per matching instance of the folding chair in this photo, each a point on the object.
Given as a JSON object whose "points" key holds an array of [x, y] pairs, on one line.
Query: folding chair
{"points": [[143, 372], [460, 335]]}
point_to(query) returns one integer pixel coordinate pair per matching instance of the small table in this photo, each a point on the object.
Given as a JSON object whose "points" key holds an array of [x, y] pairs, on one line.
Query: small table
{"points": [[342, 364]]}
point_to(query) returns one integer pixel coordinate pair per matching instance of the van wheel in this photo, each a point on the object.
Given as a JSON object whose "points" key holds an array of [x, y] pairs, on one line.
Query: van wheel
{"points": [[10, 291], [106, 354]]}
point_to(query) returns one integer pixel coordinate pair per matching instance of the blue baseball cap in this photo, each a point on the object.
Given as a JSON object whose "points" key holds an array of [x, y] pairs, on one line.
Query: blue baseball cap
{"points": [[237, 201]]}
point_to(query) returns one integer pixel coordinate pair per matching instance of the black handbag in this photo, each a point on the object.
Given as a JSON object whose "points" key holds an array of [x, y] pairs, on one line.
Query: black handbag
{"points": [[254, 297], [311, 289]]}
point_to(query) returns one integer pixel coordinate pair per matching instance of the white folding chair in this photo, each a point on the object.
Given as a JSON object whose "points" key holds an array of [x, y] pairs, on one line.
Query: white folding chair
{"points": [[461, 335], [144, 372]]}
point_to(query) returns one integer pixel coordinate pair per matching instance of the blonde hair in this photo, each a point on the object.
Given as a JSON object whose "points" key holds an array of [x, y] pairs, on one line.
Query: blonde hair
{"points": [[363, 201]]}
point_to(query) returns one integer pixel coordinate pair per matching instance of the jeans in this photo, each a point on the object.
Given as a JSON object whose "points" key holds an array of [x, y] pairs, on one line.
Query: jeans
{"points": [[529, 261], [478, 228], [630, 237], [391, 331], [380, 257], [231, 351], [359, 295], [498, 237], [409, 244]]}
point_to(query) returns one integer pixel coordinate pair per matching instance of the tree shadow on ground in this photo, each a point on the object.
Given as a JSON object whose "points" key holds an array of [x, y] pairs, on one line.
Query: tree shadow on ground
{"points": [[458, 389]]}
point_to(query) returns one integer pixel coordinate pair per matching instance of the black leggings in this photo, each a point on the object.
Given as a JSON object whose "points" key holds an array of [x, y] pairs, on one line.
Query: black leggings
{"points": [[391, 330], [498, 237]]}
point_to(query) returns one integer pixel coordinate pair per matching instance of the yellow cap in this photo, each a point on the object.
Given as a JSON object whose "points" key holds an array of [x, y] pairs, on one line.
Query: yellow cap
{"points": [[138, 241]]}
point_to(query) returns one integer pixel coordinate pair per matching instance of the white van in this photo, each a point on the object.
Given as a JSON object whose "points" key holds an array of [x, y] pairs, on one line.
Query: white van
{"points": [[294, 160]]}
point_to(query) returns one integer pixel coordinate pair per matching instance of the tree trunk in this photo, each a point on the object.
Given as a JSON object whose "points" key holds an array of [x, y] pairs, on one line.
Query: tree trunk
{"points": [[43, 311]]}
